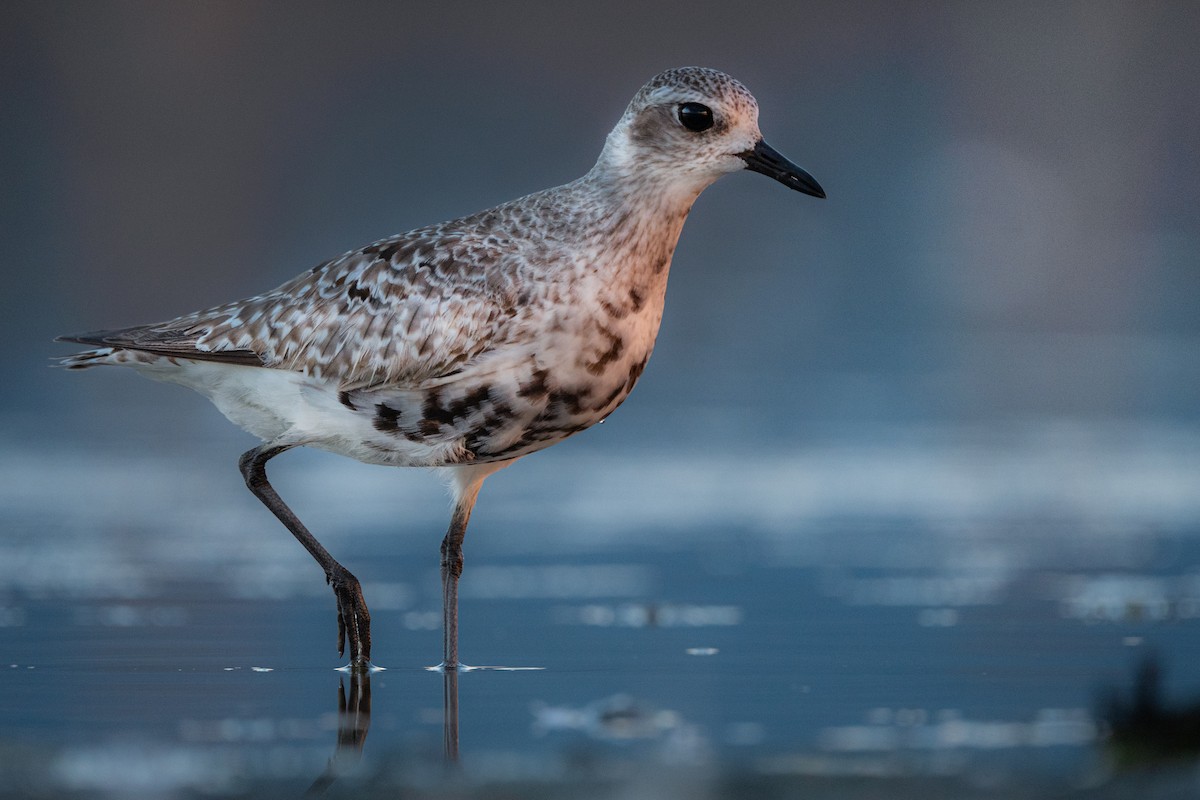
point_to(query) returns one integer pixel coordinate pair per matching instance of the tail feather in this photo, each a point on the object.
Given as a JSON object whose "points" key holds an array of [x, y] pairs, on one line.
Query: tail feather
{"points": [[150, 340], [88, 358]]}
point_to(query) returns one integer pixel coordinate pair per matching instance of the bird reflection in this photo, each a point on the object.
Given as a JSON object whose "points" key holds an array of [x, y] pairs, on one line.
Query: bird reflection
{"points": [[450, 708], [450, 702], [354, 718]]}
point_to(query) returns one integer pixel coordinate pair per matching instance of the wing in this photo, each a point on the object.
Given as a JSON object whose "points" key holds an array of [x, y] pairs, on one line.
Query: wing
{"points": [[402, 311]]}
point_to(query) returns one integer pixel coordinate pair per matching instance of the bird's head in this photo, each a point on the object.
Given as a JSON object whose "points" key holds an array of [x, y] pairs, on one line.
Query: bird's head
{"points": [[689, 126]]}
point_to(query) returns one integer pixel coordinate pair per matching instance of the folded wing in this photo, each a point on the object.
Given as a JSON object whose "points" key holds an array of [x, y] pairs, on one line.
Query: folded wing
{"points": [[401, 311]]}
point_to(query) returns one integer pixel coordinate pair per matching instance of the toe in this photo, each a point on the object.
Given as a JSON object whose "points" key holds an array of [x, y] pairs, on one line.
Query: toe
{"points": [[354, 622]]}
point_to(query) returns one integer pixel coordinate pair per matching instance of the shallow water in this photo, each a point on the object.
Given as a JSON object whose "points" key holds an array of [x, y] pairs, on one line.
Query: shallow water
{"points": [[745, 584], [933, 612]]}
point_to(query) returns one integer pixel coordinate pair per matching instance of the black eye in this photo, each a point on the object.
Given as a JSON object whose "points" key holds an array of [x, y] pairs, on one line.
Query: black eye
{"points": [[696, 117]]}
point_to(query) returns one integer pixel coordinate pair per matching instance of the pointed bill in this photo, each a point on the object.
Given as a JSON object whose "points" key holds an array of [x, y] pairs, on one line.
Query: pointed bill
{"points": [[767, 160]]}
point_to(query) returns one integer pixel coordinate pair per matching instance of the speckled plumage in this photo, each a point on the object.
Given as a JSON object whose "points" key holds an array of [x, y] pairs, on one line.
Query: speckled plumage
{"points": [[470, 343]]}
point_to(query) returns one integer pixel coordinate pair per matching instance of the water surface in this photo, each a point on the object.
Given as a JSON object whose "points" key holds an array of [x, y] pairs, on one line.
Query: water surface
{"points": [[931, 610]]}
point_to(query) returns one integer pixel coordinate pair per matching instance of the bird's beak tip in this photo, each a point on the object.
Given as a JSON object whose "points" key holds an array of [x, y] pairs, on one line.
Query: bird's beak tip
{"points": [[764, 159]]}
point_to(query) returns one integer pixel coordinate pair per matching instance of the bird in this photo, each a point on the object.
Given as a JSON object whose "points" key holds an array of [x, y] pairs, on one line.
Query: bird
{"points": [[469, 344]]}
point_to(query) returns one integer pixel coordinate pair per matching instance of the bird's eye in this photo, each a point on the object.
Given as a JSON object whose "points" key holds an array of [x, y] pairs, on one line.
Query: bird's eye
{"points": [[695, 117]]}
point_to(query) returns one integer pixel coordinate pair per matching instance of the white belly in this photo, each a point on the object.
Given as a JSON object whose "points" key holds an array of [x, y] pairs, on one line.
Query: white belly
{"points": [[290, 407]]}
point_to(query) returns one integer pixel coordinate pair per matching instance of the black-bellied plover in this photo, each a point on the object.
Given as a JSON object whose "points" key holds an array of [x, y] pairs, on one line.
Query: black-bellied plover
{"points": [[468, 344]]}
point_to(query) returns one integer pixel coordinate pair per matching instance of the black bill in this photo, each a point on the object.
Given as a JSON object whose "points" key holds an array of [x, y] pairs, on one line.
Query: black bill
{"points": [[767, 160]]}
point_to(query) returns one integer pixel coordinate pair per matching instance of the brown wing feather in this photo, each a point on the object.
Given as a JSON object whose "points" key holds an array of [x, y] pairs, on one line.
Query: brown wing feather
{"points": [[403, 310]]}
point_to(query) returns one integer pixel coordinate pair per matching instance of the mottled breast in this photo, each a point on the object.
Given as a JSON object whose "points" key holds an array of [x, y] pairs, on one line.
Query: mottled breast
{"points": [[570, 373]]}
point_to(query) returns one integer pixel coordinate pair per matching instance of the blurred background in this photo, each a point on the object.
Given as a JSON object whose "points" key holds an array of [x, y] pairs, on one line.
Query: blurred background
{"points": [[958, 399]]}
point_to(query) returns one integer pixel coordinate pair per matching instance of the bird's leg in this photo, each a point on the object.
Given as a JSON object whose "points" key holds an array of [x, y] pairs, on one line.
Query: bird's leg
{"points": [[354, 622], [452, 566], [467, 481]]}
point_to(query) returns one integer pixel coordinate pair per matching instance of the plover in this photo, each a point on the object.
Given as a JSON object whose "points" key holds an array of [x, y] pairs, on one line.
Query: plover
{"points": [[469, 344]]}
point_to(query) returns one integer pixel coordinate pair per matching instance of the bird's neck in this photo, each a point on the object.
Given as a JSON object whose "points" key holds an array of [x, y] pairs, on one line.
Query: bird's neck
{"points": [[639, 177], [639, 219]]}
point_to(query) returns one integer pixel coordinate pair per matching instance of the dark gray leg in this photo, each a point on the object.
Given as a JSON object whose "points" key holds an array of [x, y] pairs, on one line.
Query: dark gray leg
{"points": [[466, 484], [452, 567], [354, 623]]}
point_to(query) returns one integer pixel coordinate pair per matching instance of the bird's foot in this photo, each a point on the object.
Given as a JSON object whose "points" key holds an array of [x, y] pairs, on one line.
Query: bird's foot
{"points": [[354, 621]]}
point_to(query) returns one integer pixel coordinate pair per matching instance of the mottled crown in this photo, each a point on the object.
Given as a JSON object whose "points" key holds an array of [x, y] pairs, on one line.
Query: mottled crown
{"points": [[684, 84]]}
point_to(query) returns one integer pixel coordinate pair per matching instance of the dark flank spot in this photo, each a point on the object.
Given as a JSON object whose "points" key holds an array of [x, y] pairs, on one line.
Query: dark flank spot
{"points": [[500, 416], [433, 411], [663, 260], [435, 415], [571, 402], [635, 372], [387, 419], [468, 403], [538, 387], [358, 292], [389, 251], [322, 265], [540, 435], [613, 311], [636, 299], [344, 399], [616, 345]]}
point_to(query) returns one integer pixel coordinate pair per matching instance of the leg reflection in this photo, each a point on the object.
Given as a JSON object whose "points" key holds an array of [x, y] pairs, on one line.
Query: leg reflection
{"points": [[354, 718], [450, 707]]}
